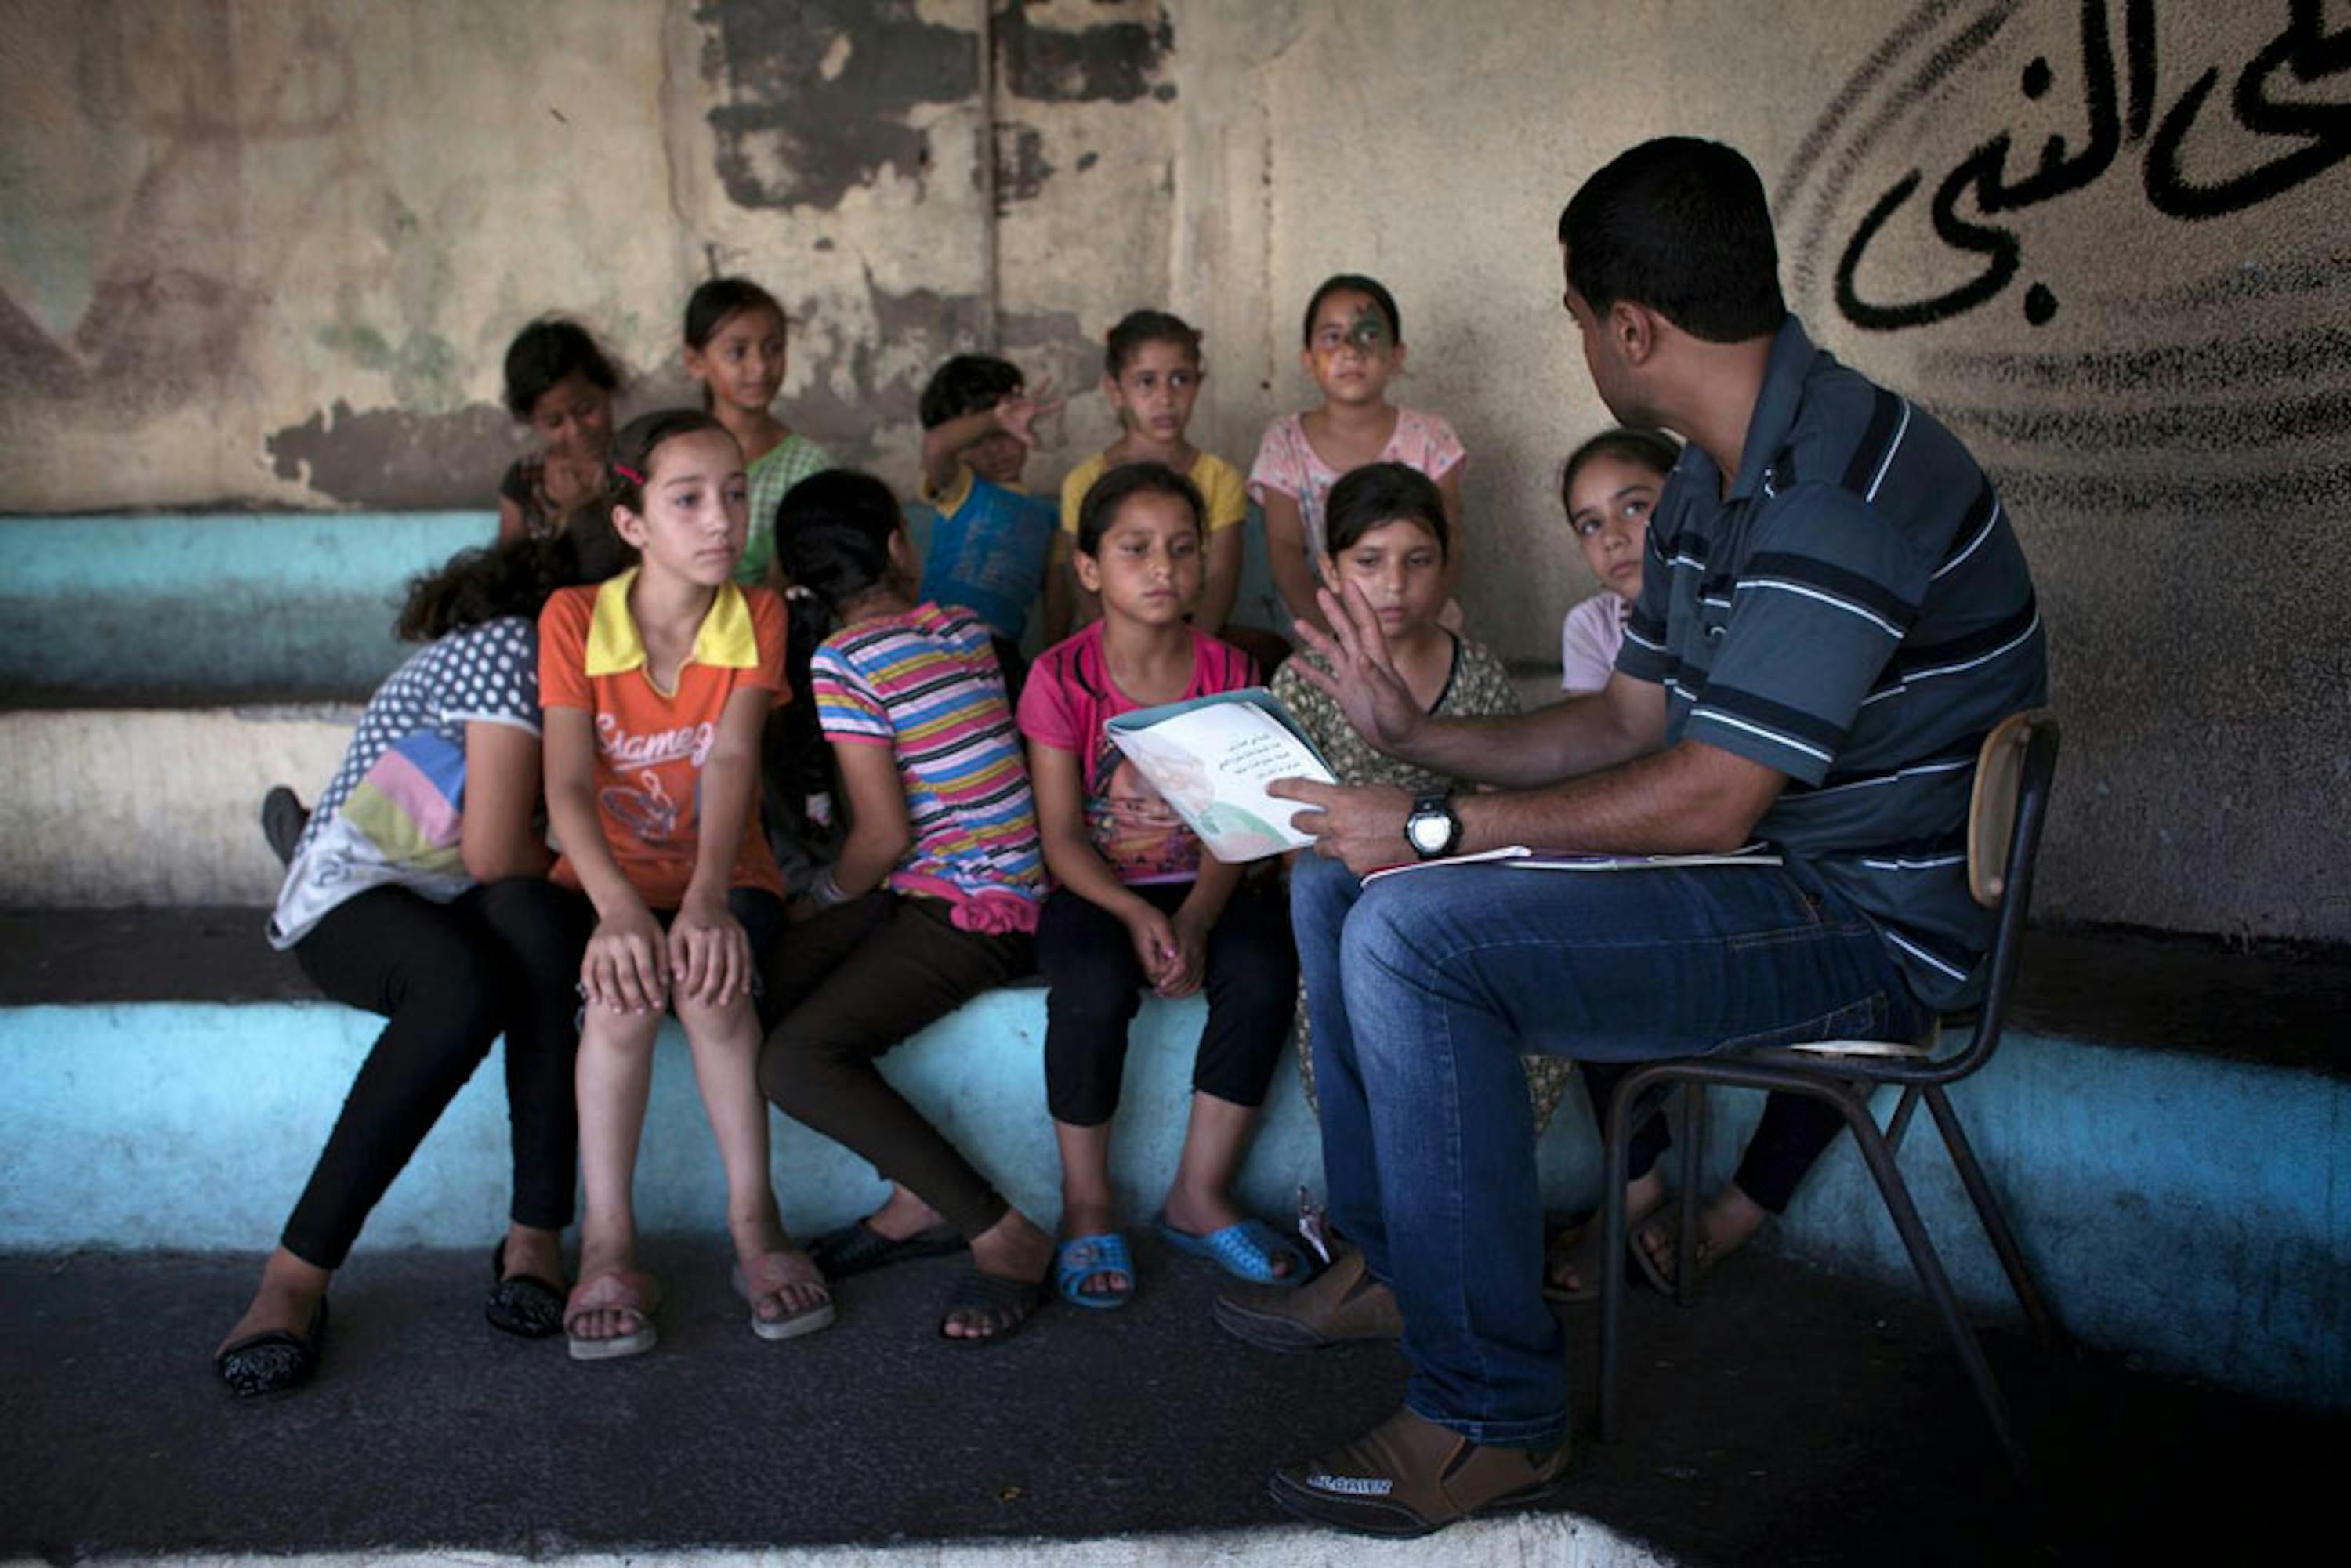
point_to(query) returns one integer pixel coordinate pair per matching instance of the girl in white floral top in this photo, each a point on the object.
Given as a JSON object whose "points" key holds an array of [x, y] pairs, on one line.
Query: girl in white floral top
{"points": [[1389, 535]]}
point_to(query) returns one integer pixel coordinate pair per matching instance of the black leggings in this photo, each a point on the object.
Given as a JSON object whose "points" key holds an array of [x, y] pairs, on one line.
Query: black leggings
{"points": [[450, 977], [1792, 1135], [1097, 986]]}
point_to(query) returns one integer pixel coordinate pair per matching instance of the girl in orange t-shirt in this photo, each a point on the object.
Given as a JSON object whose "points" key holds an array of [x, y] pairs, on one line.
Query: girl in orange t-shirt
{"points": [[655, 687]]}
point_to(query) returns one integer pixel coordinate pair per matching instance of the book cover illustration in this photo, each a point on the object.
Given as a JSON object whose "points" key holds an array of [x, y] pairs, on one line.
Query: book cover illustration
{"points": [[1211, 758]]}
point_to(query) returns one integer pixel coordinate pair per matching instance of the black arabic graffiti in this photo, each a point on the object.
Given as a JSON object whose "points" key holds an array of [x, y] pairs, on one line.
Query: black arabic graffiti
{"points": [[2116, 114]]}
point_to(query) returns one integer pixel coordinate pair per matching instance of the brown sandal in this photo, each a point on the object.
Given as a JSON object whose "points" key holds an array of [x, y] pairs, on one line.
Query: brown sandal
{"points": [[1408, 1476]]}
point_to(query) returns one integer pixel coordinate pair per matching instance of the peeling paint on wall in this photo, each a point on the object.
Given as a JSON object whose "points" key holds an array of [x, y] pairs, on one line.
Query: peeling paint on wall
{"points": [[275, 252], [1111, 62], [399, 460], [818, 94], [916, 331], [1020, 167]]}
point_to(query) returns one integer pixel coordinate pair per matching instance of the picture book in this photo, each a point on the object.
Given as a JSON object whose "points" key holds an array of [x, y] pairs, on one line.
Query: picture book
{"points": [[1212, 757]]}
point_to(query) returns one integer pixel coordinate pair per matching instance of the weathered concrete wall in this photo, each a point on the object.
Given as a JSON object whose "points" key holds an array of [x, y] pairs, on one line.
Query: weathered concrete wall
{"points": [[272, 252], [269, 252]]}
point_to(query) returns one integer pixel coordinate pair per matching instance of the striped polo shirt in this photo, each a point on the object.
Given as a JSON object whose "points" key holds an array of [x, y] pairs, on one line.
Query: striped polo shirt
{"points": [[1856, 613], [927, 683]]}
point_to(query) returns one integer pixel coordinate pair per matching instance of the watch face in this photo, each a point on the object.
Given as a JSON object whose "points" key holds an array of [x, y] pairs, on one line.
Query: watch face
{"points": [[1428, 833]]}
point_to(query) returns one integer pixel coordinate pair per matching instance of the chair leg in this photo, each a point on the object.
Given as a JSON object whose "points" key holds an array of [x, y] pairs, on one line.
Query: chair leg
{"points": [[1899, 1122], [1693, 1134], [1923, 1257], [1617, 1162], [1993, 1217]]}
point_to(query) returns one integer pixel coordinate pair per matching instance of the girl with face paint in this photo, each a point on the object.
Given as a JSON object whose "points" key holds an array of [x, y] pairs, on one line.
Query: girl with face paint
{"points": [[1354, 347]]}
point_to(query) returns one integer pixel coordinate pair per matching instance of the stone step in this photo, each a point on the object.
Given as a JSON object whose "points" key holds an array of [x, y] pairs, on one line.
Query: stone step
{"points": [[155, 806], [198, 609], [181, 608], [2164, 1123]]}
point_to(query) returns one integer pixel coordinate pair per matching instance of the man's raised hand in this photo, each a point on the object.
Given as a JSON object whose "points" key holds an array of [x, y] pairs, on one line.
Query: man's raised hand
{"points": [[1362, 677]]}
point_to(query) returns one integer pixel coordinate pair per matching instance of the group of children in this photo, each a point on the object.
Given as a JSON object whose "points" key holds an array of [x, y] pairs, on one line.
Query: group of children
{"points": [[980, 825]]}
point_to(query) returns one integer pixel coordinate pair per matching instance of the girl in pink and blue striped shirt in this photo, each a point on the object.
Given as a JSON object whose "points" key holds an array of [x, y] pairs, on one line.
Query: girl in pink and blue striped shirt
{"points": [[934, 899]]}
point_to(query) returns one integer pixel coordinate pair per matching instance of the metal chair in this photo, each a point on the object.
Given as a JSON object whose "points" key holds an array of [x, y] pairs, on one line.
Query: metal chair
{"points": [[2005, 816]]}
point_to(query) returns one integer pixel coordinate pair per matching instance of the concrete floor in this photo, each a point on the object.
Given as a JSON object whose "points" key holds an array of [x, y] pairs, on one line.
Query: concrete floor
{"points": [[1789, 1417]]}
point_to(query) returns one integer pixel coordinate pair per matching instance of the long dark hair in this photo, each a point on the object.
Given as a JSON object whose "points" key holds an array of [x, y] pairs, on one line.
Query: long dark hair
{"points": [[713, 303], [1137, 328], [833, 539], [511, 579], [1381, 493], [547, 352], [1650, 449], [1098, 510]]}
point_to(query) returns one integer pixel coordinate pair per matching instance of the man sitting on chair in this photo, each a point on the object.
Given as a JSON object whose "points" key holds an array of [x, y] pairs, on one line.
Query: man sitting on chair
{"points": [[1833, 613]]}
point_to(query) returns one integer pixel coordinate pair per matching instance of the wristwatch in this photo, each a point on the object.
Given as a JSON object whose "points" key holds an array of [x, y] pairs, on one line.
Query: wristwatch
{"points": [[1432, 831]]}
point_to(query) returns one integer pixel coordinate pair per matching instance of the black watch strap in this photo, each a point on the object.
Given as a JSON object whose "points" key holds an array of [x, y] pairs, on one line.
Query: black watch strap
{"points": [[1427, 806]]}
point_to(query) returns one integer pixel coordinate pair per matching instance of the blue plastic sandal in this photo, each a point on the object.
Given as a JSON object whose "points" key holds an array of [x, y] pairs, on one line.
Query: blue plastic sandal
{"points": [[1245, 1251], [1081, 1258]]}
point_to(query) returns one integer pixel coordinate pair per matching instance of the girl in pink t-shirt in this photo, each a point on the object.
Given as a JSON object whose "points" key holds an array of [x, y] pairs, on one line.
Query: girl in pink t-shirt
{"points": [[1139, 904], [1355, 346]]}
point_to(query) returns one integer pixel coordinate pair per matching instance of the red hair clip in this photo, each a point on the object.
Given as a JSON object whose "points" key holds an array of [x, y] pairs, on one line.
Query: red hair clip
{"points": [[631, 475]]}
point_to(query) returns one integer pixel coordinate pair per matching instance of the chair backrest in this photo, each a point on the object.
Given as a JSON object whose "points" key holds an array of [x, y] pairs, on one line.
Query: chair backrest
{"points": [[1991, 810], [2014, 772]]}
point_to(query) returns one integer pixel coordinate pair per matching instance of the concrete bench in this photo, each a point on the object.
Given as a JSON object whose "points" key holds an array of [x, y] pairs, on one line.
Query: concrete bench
{"points": [[2166, 1122], [173, 1079]]}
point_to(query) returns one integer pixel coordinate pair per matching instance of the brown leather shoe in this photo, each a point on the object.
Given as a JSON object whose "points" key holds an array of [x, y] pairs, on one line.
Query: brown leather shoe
{"points": [[1342, 1304], [1407, 1476]]}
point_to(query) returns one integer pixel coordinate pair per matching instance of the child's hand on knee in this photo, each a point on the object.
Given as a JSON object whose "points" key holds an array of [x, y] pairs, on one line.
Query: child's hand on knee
{"points": [[709, 953], [1190, 967], [1155, 948], [623, 968]]}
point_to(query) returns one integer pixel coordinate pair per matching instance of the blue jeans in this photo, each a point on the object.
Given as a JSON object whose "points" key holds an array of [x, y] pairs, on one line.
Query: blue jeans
{"points": [[1424, 989]]}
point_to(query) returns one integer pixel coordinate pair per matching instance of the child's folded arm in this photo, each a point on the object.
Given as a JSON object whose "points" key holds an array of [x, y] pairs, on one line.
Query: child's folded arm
{"points": [[944, 445], [879, 831]]}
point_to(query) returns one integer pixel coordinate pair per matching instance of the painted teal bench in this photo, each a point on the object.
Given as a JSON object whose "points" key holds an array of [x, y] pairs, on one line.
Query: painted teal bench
{"points": [[2178, 1201], [220, 607]]}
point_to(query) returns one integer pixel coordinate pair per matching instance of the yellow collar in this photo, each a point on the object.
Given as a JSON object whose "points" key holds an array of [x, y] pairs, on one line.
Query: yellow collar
{"points": [[724, 641]]}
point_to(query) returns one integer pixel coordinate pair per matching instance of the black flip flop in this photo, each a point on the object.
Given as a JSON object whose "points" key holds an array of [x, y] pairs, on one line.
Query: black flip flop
{"points": [[1011, 1302], [277, 1361], [524, 1306], [858, 1248]]}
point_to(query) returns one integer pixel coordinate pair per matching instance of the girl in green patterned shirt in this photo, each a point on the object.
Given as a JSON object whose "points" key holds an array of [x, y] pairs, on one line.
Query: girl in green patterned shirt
{"points": [[734, 335], [1386, 530]]}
